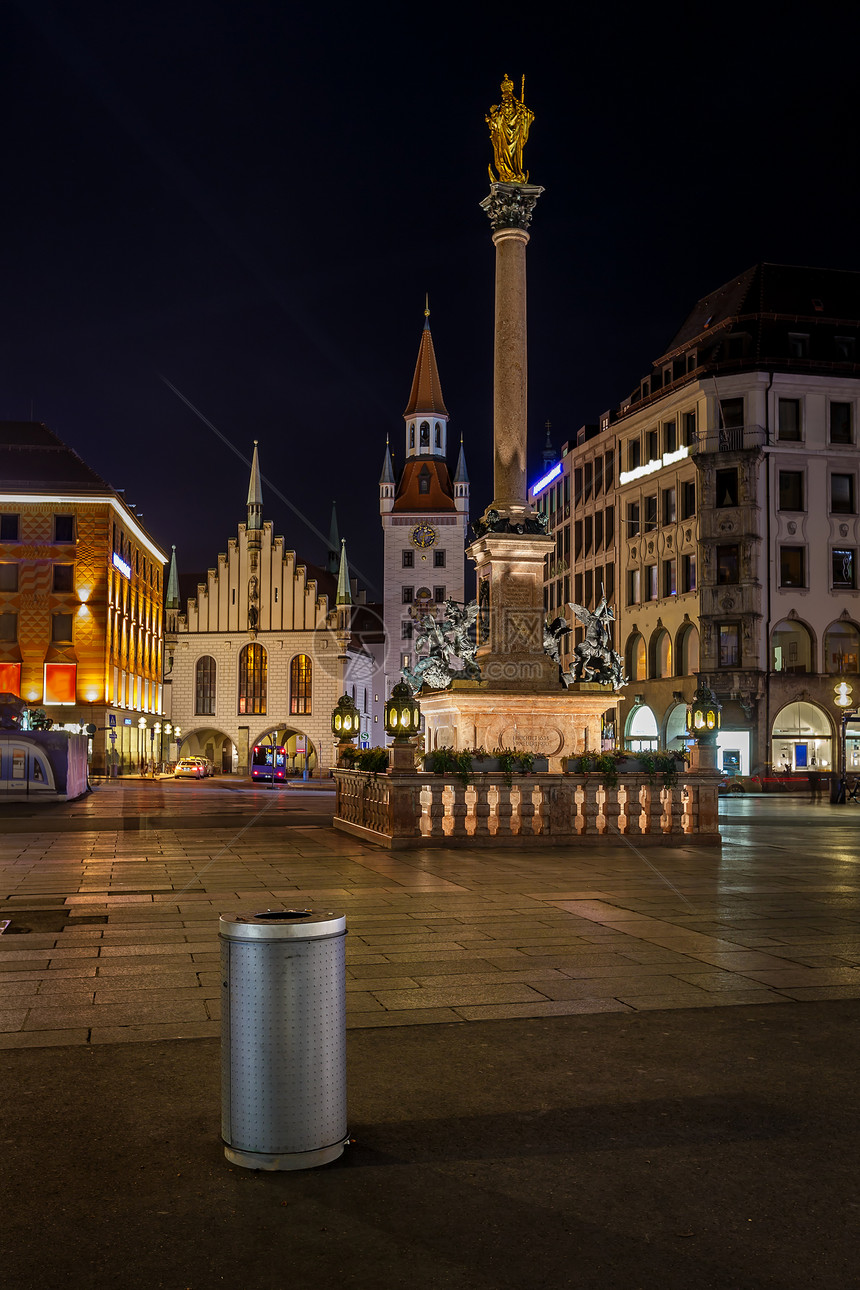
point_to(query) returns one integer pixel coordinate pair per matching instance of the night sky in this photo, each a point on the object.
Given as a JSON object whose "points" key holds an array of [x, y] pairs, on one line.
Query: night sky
{"points": [[251, 199]]}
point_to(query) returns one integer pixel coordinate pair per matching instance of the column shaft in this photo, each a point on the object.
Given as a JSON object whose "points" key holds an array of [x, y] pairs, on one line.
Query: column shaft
{"points": [[510, 373]]}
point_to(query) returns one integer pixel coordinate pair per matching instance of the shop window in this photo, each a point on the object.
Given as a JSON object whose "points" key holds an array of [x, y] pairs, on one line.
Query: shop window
{"points": [[60, 679], [841, 649]]}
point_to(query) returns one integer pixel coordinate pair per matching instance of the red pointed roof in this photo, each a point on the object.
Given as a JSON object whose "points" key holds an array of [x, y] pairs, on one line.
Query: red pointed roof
{"points": [[426, 395]]}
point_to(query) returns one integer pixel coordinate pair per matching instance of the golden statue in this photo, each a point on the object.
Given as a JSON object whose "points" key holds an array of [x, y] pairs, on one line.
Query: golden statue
{"points": [[509, 123]]}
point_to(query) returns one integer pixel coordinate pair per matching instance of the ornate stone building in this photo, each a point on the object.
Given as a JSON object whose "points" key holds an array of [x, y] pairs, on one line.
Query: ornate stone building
{"points": [[260, 653], [425, 517], [724, 492]]}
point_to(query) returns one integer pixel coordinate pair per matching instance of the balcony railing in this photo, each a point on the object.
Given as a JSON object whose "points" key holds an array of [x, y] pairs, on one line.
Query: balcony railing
{"points": [[730, 439]]}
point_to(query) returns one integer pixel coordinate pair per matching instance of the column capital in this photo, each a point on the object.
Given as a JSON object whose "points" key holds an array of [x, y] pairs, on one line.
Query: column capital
{"points": [[511, 206]]}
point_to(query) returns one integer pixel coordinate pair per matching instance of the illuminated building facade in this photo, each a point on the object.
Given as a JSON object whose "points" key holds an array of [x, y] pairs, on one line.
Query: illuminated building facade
{"points": [[425, 518], [735, 528], [80, 596], [261, 654]]}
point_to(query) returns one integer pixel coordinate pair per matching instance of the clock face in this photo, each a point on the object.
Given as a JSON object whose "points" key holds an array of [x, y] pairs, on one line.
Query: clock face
{"points": [[423, 535]]}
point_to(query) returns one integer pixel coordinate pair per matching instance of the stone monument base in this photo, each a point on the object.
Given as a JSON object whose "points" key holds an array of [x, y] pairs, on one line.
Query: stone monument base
{"points": [[553, 723]]}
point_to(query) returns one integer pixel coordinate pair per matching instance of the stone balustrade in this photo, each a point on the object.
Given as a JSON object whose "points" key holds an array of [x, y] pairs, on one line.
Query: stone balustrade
{"points": [[424, 810]]}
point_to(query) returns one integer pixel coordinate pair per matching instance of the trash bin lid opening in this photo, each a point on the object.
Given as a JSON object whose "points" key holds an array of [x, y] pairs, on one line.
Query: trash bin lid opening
{"points": [[284, 913]]}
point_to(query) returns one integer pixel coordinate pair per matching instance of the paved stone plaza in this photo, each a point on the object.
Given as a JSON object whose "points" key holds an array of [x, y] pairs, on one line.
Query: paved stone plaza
{"points": [[122, 894]]}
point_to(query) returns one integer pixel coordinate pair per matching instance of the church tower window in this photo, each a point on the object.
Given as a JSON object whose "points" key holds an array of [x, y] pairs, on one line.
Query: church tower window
{"points": [[424, 479], [438, 435], [300, 685], [412, 435], [425, 434], [252, 680]]}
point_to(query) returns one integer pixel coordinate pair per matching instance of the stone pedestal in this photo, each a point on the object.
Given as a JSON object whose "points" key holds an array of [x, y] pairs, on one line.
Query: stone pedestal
{"points": [[551, 721], [511, 616]]}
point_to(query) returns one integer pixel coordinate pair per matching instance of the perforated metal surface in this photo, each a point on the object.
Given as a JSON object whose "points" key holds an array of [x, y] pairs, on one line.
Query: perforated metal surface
{"points": [[283, 1045]]}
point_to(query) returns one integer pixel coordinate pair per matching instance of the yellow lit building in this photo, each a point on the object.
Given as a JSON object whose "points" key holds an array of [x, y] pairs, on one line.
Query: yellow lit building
{"points": [[80, 598]]}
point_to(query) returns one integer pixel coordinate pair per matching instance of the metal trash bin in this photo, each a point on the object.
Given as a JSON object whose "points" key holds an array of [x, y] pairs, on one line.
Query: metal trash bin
{"points": [[283, 1038]]}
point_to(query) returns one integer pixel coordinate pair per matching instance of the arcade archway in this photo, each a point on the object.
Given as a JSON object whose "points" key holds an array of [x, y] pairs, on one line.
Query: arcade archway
{"points": [[290, 738]]}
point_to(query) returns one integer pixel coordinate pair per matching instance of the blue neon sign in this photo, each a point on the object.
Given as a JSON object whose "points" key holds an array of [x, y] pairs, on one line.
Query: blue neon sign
{"points": [[547, 479], [119, 563]]}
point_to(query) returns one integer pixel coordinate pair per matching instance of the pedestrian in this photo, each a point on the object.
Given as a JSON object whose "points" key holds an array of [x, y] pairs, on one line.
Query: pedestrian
{"points": [[814, 786]]}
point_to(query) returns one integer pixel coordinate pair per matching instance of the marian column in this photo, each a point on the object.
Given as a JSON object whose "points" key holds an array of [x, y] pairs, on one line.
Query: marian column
{"points": [[510, 551]]}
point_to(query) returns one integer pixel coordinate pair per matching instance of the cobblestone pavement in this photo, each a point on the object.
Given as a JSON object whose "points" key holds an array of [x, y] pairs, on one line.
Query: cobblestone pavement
{"points": [[121, 895]]}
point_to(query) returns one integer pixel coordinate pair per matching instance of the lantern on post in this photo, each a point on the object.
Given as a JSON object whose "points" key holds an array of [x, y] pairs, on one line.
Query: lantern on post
{"points": [[345, 724], [402, 722], [843, 700], [703, 722]]}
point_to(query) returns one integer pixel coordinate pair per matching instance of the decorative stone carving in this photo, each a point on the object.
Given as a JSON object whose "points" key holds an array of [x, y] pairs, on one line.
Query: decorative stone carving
{"points": [[493, 522], [511, 205], [792, 527]]}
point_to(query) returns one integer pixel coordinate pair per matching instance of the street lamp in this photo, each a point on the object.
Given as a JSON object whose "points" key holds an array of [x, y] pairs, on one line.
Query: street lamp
{"points": [[843, 700], [345, 723], [141, 726], [156, 730], [703, 722], [177, 730], [402, 721]]}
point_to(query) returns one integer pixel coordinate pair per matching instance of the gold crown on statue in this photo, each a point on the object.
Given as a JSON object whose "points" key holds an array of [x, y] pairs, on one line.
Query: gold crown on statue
{"points": [[507, 85]]}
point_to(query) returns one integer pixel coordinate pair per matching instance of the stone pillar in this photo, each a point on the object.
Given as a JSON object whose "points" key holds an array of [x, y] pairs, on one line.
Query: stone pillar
{"points": [[510, 208]]}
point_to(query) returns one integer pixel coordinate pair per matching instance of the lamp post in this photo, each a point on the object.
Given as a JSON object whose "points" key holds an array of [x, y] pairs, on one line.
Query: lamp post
{"points": [[167, 730], [345, 725], [402, 722], [843, 700], [703, 723], [141, 726], [177, 730], [157, 731]]}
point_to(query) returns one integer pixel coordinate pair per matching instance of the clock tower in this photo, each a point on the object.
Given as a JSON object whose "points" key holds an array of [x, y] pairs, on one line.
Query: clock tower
{"points": [[425, 517]]}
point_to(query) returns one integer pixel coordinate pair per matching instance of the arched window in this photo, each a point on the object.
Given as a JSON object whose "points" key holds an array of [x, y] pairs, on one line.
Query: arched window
{"points": [[642, 733], [687, 650], [424, 480], [412, 435], [425, 434], [662, 654], [637, 660], [438, 435], [791, 647], [204, 694], [841, 648], [300, 685], [252, 680]]}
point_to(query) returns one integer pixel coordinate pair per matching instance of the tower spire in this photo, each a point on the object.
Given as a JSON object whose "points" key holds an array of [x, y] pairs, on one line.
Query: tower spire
{"points": [[172, 601], [255, 494], [387, 476], [426, 416], [344, 595], [333, 542], [461, 475]]}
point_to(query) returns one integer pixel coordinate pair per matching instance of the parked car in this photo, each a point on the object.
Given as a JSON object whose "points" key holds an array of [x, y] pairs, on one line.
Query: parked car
{"points": [[189, 768], [738, 784], [208, 768]]}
